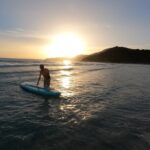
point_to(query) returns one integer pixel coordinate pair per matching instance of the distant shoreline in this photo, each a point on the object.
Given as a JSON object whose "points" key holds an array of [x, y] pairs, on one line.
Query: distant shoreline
{"points": [[110, 55], [2, 58]]}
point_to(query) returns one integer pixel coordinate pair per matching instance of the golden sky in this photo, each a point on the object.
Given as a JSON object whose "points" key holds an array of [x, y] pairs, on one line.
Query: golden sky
{"points": [[51, 28]]}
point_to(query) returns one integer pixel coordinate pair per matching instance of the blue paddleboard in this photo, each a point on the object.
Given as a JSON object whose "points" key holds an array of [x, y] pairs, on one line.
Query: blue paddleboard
{"points": [[39, 90]]}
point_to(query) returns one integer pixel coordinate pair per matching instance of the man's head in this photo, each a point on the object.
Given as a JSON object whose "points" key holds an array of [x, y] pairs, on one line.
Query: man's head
{"points": [[41, 66]]}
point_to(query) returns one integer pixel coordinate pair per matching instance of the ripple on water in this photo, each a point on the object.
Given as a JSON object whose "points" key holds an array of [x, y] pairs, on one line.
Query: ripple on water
{"points": [[103, 106]]}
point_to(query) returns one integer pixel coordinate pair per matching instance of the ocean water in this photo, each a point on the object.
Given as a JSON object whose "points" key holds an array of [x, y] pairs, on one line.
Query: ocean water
{"points": [[103, 106]]}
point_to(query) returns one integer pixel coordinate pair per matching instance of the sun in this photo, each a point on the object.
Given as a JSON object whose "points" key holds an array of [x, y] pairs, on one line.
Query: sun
{"points": [[66, 44], [66, 62]]}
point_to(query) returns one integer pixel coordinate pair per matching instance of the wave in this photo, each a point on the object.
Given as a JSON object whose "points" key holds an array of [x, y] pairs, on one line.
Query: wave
{"points": [[74, 71], [8, 64], [26, 63], [53, 71]]}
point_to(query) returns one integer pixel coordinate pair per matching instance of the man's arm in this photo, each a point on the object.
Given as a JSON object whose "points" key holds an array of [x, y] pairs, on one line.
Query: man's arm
{"points": [[39, 79]]}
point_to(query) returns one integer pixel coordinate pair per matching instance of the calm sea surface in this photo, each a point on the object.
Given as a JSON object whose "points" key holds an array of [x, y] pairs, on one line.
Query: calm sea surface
{"points": [[103, 106]]}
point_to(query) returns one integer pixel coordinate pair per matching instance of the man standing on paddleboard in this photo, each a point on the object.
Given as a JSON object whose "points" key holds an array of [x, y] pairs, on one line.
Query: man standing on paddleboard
{"points": [[45, 73]]}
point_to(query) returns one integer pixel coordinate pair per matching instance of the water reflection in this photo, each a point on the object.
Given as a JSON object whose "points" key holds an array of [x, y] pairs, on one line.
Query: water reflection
{"points": [[67, 107], [65, 73], [66, 78], [66, 82]]}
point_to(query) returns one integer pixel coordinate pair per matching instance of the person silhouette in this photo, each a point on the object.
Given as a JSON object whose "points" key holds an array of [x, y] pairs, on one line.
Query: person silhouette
{"points": [[47, 78]]}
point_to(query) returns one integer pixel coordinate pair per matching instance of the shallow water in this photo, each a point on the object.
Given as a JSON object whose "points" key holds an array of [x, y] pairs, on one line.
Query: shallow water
{"points": [[103, 106]]}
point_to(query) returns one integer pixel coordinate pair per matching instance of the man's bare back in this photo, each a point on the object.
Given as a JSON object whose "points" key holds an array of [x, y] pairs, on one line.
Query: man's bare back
{"points": [[45, 73]]}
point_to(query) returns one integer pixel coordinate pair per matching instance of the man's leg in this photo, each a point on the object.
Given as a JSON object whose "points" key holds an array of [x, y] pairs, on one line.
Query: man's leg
{"points": [[47, 84]]}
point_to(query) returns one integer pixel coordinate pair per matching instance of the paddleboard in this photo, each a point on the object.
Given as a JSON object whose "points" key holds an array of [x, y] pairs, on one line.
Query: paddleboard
{"points": [[30, 87]]}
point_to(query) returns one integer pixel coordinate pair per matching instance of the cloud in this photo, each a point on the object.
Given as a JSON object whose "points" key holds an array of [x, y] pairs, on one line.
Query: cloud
{"points": [[21, 35]]}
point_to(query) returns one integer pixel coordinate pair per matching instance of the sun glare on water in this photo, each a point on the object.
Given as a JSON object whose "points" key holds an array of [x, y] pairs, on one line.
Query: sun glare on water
{"points": [[65, 45]]}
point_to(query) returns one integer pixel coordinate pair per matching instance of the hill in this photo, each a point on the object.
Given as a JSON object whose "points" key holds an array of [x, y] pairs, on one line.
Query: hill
{"points": [[120, 55]]}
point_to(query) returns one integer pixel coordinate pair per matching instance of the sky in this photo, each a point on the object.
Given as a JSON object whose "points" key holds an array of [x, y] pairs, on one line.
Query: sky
{"points": [[28, 26]]}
